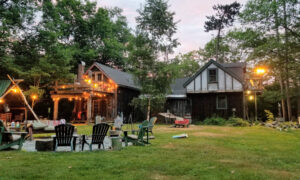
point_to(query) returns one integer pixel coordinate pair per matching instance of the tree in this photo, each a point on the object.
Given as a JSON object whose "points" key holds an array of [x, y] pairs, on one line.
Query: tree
{"points": [[158, 23], [154, 37], [276, 22], [187, 64], [224, 17]]}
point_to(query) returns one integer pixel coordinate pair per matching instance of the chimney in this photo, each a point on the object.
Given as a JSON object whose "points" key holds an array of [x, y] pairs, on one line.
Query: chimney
{"points": [[81, 67]]}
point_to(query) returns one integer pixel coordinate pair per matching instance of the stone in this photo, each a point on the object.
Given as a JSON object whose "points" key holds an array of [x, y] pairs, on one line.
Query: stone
{"points": [[44, 145]]}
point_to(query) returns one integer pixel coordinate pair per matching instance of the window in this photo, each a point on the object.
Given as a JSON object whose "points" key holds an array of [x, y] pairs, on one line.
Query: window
{"points": [[99, 77], [221, 102], [212, 76]]}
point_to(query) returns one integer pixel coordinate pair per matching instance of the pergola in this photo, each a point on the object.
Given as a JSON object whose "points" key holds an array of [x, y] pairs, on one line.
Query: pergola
{"points": [[84, 92]]}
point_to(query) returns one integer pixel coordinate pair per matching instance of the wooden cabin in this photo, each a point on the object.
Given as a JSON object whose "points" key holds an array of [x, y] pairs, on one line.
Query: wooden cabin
{"points": [[216, 89], [98, 91]]}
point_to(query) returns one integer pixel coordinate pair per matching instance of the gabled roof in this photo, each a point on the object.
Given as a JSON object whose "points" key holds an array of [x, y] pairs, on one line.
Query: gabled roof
{"points": [[233, 69], [119, 77], [177, 89]]}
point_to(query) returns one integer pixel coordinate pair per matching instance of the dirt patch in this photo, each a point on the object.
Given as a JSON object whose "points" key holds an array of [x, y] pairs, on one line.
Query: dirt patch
{"points": [[208, 134], [172, 129], [169, 146], [161, 176], [281, 173]]}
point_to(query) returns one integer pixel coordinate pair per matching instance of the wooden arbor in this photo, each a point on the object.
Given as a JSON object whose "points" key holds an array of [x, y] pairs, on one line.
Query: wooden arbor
{"points": [[87, 94]]}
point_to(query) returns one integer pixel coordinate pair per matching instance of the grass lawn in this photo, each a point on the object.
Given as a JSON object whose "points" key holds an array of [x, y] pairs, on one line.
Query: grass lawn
{"points": [[210, 152]]}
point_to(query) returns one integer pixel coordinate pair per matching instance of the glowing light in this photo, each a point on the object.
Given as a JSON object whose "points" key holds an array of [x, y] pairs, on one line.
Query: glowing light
{"points": [[15, 90], [89, 81], [1, 101], [260, 71], [63, 87], [70, 99], [251, 98], [248, 92], [34, 97], [95, 85]]}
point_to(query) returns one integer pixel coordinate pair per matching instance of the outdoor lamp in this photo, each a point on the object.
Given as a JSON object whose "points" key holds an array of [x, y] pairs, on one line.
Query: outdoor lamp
{"points": [[1, 101], [251, 98], [260, 71], [34, 97]]}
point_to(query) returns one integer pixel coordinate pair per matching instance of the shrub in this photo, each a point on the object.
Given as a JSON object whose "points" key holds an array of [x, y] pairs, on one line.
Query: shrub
{"points": [[235, 121], [270, 116], [214, 121]]}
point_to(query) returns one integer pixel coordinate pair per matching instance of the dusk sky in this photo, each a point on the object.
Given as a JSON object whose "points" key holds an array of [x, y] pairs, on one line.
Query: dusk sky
{"points": [[191, 14]]}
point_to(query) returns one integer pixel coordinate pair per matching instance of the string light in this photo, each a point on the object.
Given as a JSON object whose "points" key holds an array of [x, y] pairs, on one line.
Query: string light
{"points": [[1, 101], [34, 96]]}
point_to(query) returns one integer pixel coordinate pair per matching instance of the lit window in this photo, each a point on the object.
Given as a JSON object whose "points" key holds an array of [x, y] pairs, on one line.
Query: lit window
{"points": [[212, 76], [221, 102]]}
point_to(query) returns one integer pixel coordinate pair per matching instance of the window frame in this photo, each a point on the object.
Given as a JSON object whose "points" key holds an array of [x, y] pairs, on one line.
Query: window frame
{"points": [[226, 102], [208, 75]]}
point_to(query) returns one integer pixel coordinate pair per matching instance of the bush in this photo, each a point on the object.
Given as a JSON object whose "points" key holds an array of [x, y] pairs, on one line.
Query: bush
{"points": [[235, 121], [270, 116], [214, 121]]}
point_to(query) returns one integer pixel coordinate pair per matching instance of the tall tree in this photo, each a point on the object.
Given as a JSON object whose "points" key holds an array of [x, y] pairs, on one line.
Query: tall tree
{"points": [[154, 37], [157, 21], [224, 16], [276, 22]]}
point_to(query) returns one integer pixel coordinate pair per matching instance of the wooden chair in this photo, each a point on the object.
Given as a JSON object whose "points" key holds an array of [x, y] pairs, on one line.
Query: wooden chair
{"points": [[64, 136], [9, 139], [138, 139], [151, 124], [99, 133]]}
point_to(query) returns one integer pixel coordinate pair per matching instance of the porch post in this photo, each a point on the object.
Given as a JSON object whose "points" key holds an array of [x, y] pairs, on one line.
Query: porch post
{"points": [[55, 113], [89, 110]]}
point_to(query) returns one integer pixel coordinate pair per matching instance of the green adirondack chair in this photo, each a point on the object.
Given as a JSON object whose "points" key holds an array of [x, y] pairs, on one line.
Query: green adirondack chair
{"points": [[151, 124], [138, 139], [9, 139]]}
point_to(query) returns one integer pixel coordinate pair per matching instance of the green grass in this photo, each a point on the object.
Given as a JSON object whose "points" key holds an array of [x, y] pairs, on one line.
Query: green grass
{"points": [[210, 152]]}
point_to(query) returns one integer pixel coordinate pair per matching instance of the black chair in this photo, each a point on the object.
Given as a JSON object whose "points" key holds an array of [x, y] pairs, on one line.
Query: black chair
{"points": [[64, 136], [99, 133]]}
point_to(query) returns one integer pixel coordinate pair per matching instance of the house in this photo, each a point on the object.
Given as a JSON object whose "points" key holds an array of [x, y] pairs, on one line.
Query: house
{"points": [[177, 102], [98, 91], [215, 89]]}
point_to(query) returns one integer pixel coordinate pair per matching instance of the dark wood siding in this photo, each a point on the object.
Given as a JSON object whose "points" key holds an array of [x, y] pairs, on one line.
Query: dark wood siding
{"points": [[125, 95], [205, 105], [179, 107]]}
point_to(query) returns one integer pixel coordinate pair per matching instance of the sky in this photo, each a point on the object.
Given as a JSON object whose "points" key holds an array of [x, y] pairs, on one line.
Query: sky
{"points": [[191, 15]]}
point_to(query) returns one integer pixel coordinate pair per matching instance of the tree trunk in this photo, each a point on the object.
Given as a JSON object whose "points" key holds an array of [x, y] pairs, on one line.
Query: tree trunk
{"points": [[218, 45], [287, 84], [148, 109], [281, 82], [283, 106]]}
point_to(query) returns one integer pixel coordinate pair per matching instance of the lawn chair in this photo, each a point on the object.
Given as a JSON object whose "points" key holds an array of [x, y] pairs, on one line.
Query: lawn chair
{"points": [[138, 139], [151, 124], [9, 139], [99, 133], [64, 136]]}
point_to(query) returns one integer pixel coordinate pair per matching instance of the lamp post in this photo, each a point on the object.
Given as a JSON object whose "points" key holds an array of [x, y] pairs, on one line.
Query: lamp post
{"points": [[257, 76]]}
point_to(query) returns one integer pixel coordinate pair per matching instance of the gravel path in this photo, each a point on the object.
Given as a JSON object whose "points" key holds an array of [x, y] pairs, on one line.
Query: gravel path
{"points": [[29, 146]]}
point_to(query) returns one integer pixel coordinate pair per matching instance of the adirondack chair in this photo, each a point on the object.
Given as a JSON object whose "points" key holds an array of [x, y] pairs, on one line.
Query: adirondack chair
{"points": [[9, 139], [99, 133], [151, 124], [64, 136], [138, 139]]}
